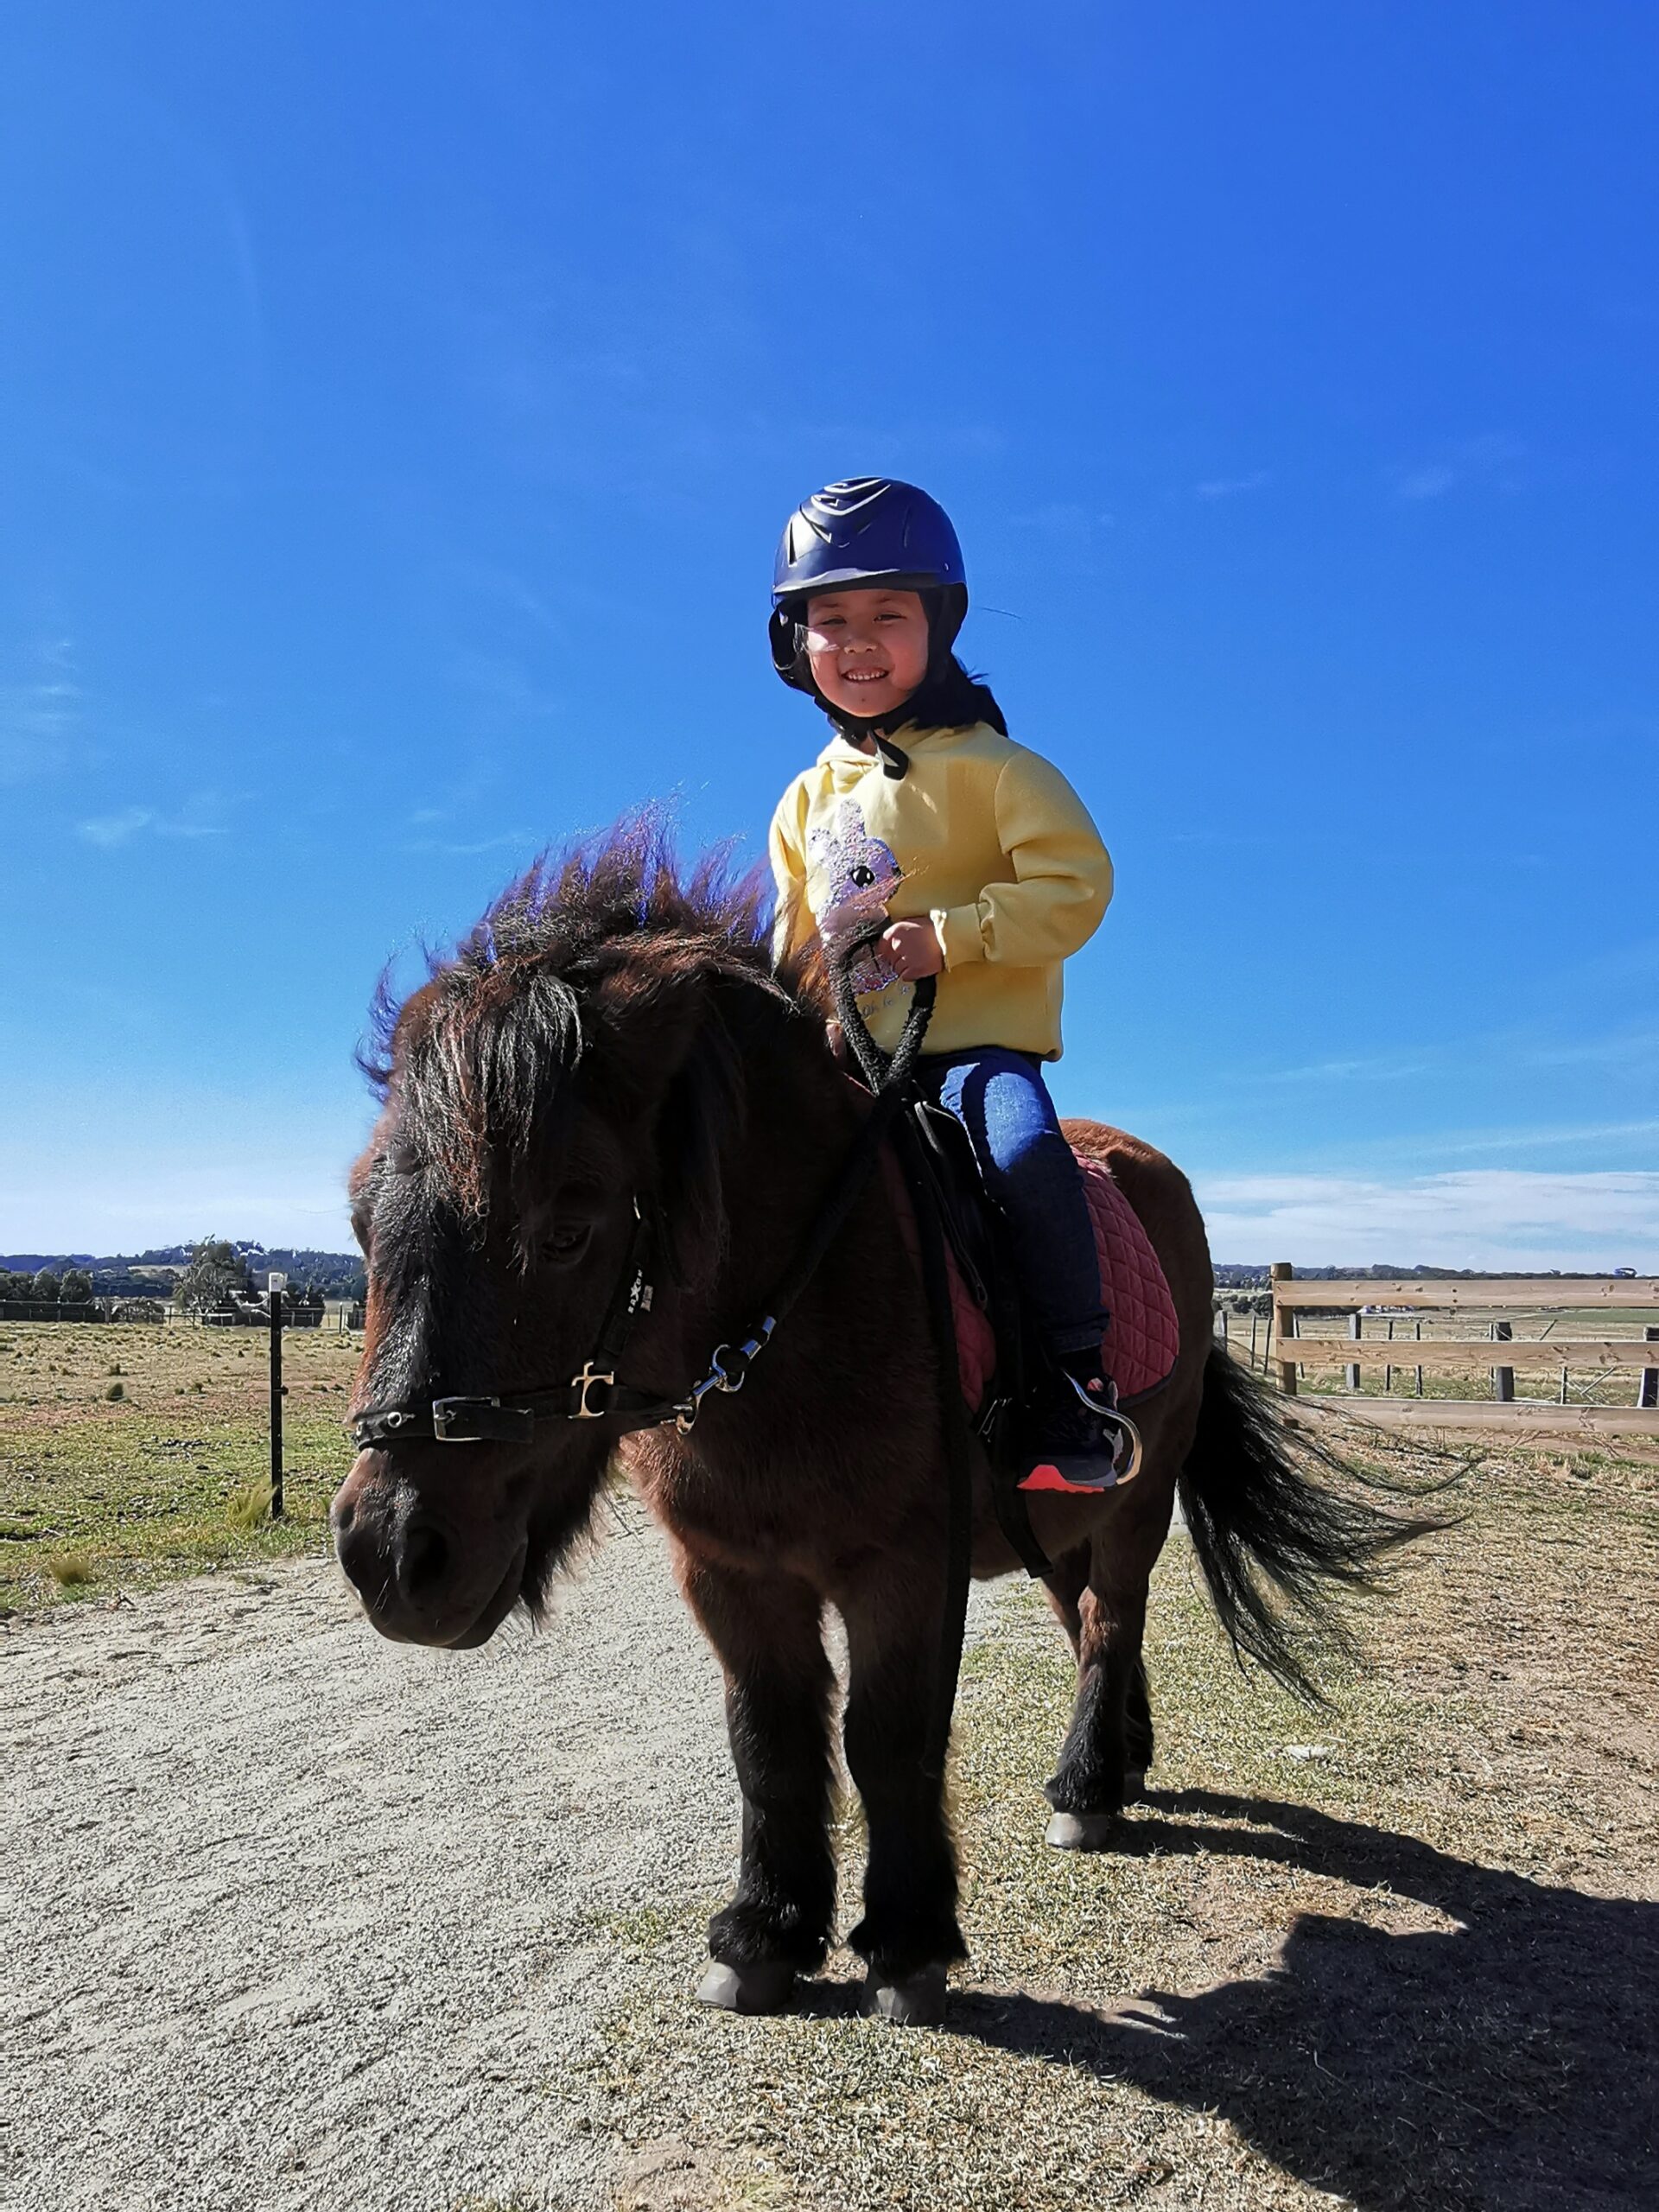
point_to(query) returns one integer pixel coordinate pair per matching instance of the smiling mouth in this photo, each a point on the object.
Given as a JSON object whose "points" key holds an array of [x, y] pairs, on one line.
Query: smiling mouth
{"points": [[864, 675]]}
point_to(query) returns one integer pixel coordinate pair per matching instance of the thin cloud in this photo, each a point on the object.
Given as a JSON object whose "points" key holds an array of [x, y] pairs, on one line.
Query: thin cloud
{"points": [[507, 839], [40, 716], [111, 830], [1385, 1067], [1067, 521], [1490, 459], [503, 684], [1426, 483], [1228, 488], [1475, 1217], [200, 817]]}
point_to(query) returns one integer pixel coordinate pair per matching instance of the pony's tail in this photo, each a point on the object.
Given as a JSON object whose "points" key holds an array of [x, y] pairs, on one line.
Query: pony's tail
{"points": [[1280, 1548]]}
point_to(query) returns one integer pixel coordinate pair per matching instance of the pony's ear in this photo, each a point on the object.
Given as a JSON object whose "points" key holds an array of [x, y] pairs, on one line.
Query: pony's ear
{"points": [[671, 1066], [702, 1109]]}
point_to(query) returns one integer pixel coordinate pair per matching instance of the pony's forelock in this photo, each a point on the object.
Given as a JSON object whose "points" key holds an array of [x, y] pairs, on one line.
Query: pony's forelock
{"points": [[480, 1058]]}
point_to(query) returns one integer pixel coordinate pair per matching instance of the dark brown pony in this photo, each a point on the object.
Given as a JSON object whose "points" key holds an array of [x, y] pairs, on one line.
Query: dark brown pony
{"points": [[613, 1041]]}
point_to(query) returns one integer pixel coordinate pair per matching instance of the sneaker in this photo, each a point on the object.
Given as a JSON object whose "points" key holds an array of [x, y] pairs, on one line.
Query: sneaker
{"points": [[1079, 1440]]}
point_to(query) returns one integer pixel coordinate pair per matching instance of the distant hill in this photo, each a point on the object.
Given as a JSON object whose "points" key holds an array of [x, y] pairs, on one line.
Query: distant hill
{"points": [[1246, 1277], [151, 1274]]}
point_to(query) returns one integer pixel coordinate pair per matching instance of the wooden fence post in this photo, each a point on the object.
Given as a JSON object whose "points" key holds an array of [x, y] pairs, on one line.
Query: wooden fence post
{"points": [[1503, 1377], [1353, 1365], [1648, 1393], [1282, 1271]]}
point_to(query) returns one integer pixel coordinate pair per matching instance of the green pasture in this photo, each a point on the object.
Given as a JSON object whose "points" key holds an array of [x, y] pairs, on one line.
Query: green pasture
{"points": [[132, 1454]]}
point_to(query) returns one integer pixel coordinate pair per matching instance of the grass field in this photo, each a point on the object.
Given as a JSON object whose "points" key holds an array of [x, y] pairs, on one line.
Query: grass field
{"points": [[131, 1454]]}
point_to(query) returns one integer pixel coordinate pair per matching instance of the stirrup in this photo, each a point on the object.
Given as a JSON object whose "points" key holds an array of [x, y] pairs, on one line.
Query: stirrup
{"points": [[1126, 1450]]}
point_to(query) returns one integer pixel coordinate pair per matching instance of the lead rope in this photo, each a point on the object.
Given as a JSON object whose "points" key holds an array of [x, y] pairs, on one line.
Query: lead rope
{"points": [[889, 1076]]}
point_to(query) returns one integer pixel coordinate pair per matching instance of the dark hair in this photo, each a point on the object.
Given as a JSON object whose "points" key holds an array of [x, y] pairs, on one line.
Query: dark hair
{"points": [[951, 698]]}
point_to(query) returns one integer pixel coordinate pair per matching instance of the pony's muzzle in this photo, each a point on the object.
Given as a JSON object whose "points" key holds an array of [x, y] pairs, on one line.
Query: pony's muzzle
{"points": [[411, 1566]]}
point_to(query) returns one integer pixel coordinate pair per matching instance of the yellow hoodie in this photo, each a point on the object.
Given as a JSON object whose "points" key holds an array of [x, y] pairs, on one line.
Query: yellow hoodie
{"points": [[986, 840]]}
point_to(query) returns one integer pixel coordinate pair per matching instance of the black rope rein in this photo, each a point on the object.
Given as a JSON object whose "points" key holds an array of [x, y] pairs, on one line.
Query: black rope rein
{"points": [[889, 1076]]}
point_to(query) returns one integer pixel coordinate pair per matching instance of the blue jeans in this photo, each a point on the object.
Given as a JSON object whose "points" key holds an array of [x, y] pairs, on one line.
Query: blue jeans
{"points": [[1000, 1099]]}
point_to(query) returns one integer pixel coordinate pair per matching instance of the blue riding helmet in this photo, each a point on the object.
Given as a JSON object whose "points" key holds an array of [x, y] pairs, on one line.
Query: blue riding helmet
{"points": [[868, 532], [861, 535]]}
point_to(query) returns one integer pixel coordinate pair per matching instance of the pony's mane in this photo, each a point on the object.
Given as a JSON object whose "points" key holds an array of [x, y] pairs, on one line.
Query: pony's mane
{"points": [[500, 1029]]}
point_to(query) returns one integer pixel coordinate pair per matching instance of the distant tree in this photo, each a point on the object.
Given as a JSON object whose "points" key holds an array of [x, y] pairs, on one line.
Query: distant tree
{"points": [[76, 1287], [214, 1271], [12, 1285], [45, 1286]]}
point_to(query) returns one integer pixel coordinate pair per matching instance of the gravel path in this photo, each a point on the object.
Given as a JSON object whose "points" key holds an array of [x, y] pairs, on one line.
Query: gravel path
{"points": [[297, 1917]]}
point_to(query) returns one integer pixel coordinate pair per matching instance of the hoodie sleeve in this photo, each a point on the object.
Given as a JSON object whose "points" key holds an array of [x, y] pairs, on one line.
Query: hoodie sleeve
{"points": [[1061, 872], [792, 926]]}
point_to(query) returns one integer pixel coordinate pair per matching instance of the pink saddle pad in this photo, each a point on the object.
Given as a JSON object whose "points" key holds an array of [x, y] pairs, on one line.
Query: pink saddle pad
{"points": [[1144, 1336]]}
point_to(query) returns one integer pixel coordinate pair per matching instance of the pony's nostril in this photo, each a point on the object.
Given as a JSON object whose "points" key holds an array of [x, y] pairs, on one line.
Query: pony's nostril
{"points": [[423, 1559], [358, 1553]]}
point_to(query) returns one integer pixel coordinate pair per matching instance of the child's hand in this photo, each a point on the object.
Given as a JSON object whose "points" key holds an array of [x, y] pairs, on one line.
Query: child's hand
{"points": [[913, 948]]}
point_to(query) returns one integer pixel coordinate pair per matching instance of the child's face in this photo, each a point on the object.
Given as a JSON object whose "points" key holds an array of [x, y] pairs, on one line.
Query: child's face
{"points": [[868, 649]]}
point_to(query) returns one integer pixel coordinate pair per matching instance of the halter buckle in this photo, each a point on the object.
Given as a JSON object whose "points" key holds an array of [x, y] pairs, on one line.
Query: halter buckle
{"points": [[479, 1421], [584, 1384]]}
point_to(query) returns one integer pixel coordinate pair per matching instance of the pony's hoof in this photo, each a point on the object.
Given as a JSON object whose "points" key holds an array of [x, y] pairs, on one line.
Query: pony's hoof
{"points": [[1082, 1831], [917, 2001], [763, 1988]]}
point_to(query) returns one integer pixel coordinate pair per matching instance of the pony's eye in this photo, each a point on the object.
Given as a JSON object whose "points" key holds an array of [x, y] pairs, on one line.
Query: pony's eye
{"points": [[566, 1243], [863, 876]]}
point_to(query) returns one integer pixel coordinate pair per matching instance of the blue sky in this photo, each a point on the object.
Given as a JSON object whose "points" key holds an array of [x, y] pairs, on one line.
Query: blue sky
{"points": [[402, 403]]}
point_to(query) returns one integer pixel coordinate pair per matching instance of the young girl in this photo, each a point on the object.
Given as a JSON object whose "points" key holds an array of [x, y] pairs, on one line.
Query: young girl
{"points": [[987, 871]]}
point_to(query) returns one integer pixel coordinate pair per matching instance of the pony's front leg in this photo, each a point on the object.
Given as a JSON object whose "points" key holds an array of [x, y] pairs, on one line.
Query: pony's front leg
{"points": [[909, 1935], [769, 1634]]}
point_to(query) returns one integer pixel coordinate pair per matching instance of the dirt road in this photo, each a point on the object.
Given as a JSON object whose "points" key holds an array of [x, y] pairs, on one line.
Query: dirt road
{"points": [[296, 1918]]}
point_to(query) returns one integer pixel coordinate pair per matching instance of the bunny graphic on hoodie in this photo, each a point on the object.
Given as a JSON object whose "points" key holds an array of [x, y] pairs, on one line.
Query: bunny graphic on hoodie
{"points": [[855, 875]]}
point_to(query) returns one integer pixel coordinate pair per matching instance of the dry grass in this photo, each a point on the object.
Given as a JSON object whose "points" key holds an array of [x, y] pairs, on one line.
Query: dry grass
{"points": [[249, 1507], [1388, 1955], [141, 1477]]}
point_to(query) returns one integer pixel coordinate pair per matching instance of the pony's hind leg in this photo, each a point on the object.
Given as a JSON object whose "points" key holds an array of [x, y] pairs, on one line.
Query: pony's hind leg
{"points": [[1109, 1746], [1139, 1735], [1064, 1585], [768, 1632], [909, 1935]]}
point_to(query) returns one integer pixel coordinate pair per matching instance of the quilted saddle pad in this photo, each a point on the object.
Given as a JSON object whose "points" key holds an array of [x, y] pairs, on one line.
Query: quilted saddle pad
{"points": [[1143, 1338]]}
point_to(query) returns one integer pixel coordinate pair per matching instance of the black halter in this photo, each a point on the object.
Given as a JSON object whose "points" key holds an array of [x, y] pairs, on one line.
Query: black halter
{"points": [[594, 1394], [591, 1395]]}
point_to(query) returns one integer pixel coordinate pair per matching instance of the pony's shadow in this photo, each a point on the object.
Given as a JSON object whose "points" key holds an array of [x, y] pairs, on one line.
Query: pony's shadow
{"points": [[1510, 2062]]}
